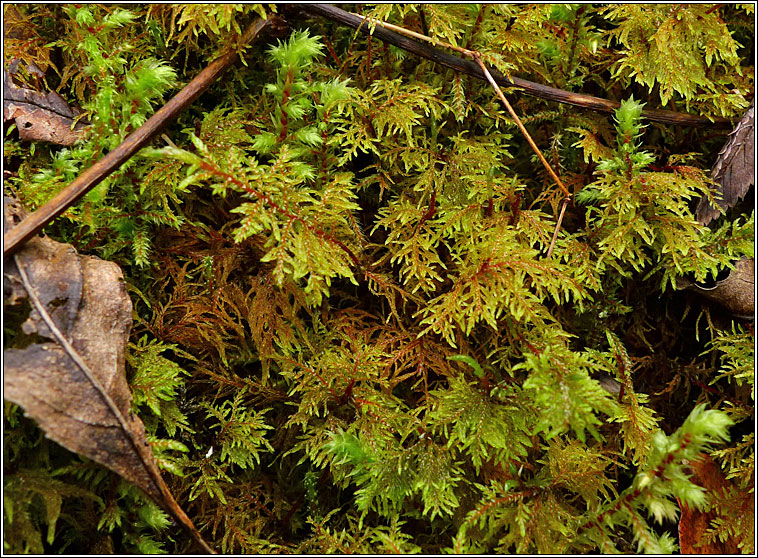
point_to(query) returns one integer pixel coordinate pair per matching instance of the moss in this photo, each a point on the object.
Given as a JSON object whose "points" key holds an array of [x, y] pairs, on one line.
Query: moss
{"points": [[347, 337]]}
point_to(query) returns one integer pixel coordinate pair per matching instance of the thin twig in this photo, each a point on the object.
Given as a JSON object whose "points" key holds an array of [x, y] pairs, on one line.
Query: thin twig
{"points": [[520, 125], [95, 174], [469, 67], [477, 57], [534, 147], [564, 203]]}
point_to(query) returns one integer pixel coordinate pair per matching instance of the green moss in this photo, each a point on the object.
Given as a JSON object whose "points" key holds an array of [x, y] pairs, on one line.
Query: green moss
{"points": [[347, 337]]}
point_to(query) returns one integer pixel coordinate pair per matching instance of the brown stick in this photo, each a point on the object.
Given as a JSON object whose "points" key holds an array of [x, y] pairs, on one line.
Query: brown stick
{"points": [[564, 203], [91, 177], [470, 67], [534, 147], [520, 125]]}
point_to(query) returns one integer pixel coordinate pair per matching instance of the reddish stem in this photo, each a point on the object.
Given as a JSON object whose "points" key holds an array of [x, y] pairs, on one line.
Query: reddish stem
{"points": [[429, 212], [318, 231]]}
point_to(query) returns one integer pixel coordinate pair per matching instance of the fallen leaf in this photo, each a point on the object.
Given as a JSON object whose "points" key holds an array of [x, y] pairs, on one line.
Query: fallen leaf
{"points": [[39, 116], [734, 169], [65, 366], [736, 292]]}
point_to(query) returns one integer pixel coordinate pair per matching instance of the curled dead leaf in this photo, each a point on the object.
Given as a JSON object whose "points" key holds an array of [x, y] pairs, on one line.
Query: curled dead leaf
{"points": [[736, 292], [65, 365], [694, 524]]}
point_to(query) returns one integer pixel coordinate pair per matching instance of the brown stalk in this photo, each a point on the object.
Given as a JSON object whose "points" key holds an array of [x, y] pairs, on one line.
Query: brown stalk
{"points": [[564, 203], [520, 125], [95, 174], [534, 147], [469, 67]]}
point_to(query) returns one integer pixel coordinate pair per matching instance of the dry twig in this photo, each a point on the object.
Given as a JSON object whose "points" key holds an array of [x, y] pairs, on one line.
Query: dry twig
{"points": [[469, 67], [91, 177]]}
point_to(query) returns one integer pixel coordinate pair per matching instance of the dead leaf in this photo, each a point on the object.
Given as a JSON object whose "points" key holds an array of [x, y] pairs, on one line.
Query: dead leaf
{"points": [[736, 292], [734, 169], [65, 364], [39, 116]]}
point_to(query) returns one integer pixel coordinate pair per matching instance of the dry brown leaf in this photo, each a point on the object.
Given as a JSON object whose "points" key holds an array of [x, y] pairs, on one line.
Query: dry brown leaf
{"points": [[39, 116], [734, 169], [65, 367], [736, 293]]}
